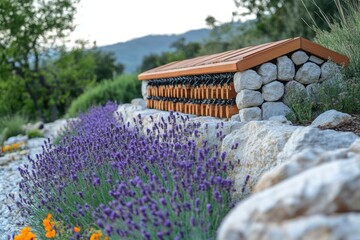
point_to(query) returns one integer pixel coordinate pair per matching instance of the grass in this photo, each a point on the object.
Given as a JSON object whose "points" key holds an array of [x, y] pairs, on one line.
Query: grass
{"points": [[122, 90], [12, 125], [341, 94]]}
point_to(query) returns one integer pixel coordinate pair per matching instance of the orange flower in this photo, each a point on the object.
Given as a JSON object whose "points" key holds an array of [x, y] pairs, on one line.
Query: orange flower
{"points": [[48, 225], [106, 238], [50, 234], [76, 229], [25, 234], [96, 236]]}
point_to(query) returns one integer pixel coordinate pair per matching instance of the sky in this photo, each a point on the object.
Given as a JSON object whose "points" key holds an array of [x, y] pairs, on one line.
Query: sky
{"points": [[112, 21]]}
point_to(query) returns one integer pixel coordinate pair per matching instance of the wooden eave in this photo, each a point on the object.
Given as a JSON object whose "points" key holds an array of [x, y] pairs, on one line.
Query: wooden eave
{"points": [[241, 59]]}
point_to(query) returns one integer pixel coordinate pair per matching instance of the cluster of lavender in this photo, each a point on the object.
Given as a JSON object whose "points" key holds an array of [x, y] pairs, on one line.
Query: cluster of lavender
{"points": [[219, 79], [131, 185]]}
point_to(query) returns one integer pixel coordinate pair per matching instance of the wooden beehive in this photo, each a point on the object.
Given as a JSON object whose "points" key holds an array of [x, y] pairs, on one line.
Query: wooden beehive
{"points": [[204, 85]]}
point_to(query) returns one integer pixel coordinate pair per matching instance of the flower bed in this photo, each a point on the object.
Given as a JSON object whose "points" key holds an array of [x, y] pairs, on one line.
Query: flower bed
{"points": [[107, 179]]}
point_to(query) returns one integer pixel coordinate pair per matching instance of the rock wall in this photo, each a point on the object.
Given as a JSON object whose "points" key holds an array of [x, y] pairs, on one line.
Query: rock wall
{"points": [[266, 91]]}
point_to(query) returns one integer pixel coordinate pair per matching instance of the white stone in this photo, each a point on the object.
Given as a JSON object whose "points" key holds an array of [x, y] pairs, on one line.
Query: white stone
{"points": [[308, 73], [268, 72], [299, 57], [235, 117], [271, 109], [253, 149], [144, 85], [248, 98], [280, 119], [286, 68], [313, 90], [16, 139], [316, 60], [328, 189], [138, 102], [248, 79], [293, 91], [330, 71], [331, 118], [273, 91], [250, 114], [311, 137]]}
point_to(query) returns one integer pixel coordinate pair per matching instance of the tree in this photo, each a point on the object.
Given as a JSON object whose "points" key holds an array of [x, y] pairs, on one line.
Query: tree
{"points": [[27, 28], [106, 66], [278, 19]]}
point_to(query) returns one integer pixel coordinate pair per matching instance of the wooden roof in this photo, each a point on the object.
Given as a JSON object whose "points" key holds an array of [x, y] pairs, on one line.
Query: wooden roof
{"points": [[241, 59]]}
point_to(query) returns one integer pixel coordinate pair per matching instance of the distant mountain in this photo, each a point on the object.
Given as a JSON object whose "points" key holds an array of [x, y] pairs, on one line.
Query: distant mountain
{"points": [[131, 53]]}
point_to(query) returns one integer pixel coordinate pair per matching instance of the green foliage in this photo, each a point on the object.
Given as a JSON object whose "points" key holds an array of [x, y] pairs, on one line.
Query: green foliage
{"points": [[302, 106], [343, 35], [34, 133], [12, 125], [122, 89], [26, 28]]}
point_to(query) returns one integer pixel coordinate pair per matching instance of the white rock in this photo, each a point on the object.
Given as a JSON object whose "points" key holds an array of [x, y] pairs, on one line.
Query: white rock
{"points": [[328, 189], [138, 102], [268, 72], [330, 71], [15, 139], [293, 91], [311, 137], [308, 73], [210, 128], [286, 68], [235, 117], [248, 98], [313, 90], [331, 118], [280, 119], [273, 91], [253, 149], [250, 114], [315, 59], [248, 79], [144, 85], [299, 57], [271, 109], [355, 147]]}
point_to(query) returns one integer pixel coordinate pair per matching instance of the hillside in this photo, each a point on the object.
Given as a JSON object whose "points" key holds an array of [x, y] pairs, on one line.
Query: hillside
{"points": [[130, 53]]}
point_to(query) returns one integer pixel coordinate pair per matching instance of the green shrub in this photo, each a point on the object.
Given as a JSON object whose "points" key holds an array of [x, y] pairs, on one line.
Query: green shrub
{"points": [[122, 90], [34, 133], [12, 125], [344, 35]]}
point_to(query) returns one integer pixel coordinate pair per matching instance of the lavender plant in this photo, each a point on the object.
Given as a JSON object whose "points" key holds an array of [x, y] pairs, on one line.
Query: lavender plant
{"points": [[128, 181]]}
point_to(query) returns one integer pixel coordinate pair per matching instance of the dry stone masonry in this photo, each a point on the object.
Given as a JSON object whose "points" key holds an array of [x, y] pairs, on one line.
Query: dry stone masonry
{"points": [[266, 90]]}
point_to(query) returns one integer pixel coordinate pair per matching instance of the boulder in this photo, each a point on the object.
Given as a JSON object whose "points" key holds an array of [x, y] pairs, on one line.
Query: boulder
{"points": [[329, 189], [273, 91], [138, 102], [312, 91], [271, 109], [248, 98], [248, 79], [253, 149], [293, 91], [144, 85], [299, 57], [308, 73], [330, 71], [331, 118], [280, 119], [286, 68], [316, 60], [268, 72], [250, 114], [235, 117], [311, 137]]}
